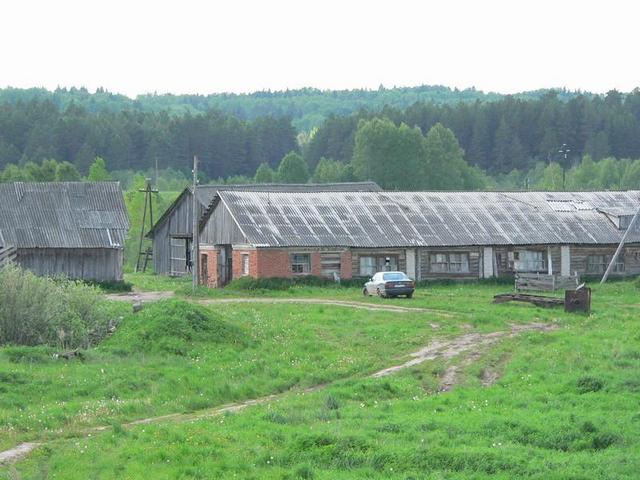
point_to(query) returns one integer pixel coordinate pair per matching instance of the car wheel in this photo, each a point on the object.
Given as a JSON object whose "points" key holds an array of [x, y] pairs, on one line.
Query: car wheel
{"points": [[409, 295], [379, 293], [365, 292]]}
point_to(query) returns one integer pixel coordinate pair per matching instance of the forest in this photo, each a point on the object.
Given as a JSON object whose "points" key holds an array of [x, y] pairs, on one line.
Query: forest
{"points": [[455, 140]]}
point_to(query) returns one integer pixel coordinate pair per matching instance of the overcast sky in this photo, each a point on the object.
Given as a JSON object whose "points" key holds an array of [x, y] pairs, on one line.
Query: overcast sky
{"points": [[187, 46]]}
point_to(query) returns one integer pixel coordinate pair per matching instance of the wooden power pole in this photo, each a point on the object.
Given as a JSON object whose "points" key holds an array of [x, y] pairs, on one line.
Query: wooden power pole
{"points": [[147, 202], [195, 244], [619, 249]]}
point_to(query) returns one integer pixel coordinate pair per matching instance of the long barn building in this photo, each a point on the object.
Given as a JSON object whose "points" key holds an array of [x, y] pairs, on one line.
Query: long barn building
{"points": [[75, 229], [426, 234], [172, 233]]}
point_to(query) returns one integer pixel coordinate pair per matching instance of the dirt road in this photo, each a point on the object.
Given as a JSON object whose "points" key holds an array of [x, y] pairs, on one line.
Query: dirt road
{"points": [[446, 349]]}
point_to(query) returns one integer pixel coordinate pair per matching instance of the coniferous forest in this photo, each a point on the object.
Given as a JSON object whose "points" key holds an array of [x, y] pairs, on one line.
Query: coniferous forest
{"points": [[494, 141]]}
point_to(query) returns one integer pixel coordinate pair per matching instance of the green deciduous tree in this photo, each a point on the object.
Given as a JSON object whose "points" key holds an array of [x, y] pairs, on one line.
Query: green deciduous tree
{"points": [[67, 172], [331, 171], [264, 174], [98, 171], [388, 154], [293, 169]]}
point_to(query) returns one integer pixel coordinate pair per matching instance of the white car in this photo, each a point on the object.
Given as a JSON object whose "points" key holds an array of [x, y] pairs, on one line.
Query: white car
{"points": [[389, 284]]}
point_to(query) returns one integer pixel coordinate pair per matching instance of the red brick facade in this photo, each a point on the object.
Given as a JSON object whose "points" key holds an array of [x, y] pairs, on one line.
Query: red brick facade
{"points": [[273, 263], [237, 263], [209, 277], [265, 263]]}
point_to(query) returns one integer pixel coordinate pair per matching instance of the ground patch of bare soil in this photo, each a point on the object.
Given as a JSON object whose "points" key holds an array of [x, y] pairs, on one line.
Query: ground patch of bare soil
{"points": [[469, 343]]}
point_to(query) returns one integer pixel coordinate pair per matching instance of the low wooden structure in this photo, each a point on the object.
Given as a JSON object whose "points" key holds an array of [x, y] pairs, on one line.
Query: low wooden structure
{"points": [[537, 300], [540, 282], [75, 229]]}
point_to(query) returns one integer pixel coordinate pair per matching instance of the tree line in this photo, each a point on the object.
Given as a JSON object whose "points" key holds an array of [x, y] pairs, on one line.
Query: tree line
{"points": [[509, 133], [307, 107], [39, 130]]}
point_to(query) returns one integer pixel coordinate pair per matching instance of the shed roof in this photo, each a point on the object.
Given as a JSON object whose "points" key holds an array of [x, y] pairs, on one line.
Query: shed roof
{"points": [[63, 215], [404, 219], [205, 194]]}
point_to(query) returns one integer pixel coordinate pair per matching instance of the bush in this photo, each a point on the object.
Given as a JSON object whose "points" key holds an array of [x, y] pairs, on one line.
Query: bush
{"points": [[44, 311], [173, 326], [589, 384], [119, 286]]}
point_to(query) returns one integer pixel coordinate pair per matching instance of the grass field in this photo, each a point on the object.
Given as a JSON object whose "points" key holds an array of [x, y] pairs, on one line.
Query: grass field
{"points": [[564, 403]]}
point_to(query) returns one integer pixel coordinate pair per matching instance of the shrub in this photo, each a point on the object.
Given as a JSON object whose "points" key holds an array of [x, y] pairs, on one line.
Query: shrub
{"points": [[589, 384], [173, 326], [44, 311]]}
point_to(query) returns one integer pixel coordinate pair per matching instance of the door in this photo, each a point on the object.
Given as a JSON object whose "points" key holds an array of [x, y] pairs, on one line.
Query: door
{"points": [[204, 269], [180, 256], [225, 271]]}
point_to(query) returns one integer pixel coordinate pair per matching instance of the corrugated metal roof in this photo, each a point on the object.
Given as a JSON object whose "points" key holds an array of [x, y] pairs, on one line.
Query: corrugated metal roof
{"points": [[404, 219], [63, 215], [205, 194]]}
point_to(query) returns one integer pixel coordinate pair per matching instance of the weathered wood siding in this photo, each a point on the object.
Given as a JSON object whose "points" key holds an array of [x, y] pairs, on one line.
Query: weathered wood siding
{"points": [[630, 256], [376, 252], [179, 223], [424, 262], [98, 264], [221, 229]]}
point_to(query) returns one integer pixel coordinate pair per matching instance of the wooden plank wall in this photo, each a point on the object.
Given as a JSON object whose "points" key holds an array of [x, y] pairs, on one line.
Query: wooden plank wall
{"points": [[100, 264], [357, 253], [424, 262], [180, 224], [221, 229]]}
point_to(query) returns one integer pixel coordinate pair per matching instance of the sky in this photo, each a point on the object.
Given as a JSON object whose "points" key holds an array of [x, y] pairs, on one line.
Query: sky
{"points": [[188, 46]]}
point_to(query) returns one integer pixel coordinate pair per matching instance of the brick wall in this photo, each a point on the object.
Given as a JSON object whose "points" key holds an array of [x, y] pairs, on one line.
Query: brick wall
{"points": [[210, 279], [316, 267], [346, 266], [273, 263], [236, 262]]}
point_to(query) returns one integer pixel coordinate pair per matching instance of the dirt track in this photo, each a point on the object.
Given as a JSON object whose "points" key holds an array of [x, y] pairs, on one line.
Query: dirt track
{"points": [[155, 296], [446, 349]]}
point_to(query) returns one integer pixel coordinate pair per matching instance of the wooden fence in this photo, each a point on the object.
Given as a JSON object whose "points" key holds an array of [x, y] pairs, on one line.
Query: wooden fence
{"points": [[7, 254], [545, 283]]}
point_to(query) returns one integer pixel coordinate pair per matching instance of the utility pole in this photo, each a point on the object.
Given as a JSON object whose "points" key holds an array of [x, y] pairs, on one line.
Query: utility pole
{"points": [[564, 150], [147, 190], [195, 244], [619, 249]]}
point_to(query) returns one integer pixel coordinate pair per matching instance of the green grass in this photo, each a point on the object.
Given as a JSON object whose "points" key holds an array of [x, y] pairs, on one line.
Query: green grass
{"points": [[565, 405]]}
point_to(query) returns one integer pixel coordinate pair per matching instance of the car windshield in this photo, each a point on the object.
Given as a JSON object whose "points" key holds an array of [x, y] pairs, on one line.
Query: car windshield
{"points": [[394, 276]]}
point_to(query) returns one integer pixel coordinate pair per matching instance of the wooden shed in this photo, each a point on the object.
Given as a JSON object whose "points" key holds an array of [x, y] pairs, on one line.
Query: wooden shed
{"points": [[76, 229]]}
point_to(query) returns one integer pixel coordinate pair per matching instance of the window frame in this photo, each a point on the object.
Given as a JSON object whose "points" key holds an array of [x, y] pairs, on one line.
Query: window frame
{"points": [[442, 262], [245, 265], [305, 265], [527, 265], [379, 263]]}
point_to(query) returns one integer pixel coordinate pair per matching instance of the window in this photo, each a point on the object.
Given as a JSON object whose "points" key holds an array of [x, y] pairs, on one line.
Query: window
{"points": [[395, 276], [367, 265], [599, 264], [330, 264], [449, 262], [300, 263], [245, 264], [528, 261], [371, 264]]}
